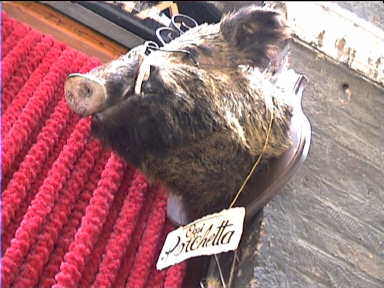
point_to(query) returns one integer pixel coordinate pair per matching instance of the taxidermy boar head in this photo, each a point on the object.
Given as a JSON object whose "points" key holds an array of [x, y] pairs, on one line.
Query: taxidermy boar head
{"points": [[195, 113]]}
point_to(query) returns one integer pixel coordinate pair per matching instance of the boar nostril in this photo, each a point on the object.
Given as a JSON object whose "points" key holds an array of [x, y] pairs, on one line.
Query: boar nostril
{"points": [[85, 90], [69, 94]]}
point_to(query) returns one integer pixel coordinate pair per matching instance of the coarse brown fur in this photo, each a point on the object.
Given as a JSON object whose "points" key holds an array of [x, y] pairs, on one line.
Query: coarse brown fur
{"points": [[199, 128]]}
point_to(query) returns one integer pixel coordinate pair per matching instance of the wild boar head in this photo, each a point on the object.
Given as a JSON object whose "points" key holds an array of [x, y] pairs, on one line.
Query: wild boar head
{"points": [[195, 113]]}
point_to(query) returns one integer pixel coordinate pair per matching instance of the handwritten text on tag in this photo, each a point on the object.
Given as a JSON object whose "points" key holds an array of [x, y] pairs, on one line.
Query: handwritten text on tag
{"points": [[212, 234]]}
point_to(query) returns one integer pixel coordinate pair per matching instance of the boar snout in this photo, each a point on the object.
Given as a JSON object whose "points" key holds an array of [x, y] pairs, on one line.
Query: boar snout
{"points": [[85, 95], [103, 86]]}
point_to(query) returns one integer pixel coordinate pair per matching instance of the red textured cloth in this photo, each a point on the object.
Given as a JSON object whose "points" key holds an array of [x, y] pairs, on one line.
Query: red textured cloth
{"points": [[74, 214]]}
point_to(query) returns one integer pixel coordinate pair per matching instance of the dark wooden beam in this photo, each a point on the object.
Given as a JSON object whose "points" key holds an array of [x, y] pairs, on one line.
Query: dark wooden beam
{"points": [[64, 29]]}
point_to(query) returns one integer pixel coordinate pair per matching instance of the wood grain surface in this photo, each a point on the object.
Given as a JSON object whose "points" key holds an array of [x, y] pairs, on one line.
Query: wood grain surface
{"points": [[63, 28], [326, 228]]}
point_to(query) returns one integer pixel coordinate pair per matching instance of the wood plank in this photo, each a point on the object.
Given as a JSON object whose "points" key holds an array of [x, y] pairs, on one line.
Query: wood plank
{"points": [[339, 34], [96, 22], [326, 228], [64, 29]]}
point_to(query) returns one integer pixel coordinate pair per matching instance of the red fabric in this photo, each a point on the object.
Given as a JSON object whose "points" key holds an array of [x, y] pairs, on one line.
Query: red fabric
{"points": [[74, 213]]}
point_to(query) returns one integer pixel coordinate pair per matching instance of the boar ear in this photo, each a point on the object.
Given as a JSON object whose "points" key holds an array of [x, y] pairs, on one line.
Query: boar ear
{"points": [[259, 35]]}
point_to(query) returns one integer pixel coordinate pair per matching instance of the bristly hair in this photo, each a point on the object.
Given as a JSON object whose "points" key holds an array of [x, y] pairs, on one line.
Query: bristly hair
{"points": [[260, 35]]}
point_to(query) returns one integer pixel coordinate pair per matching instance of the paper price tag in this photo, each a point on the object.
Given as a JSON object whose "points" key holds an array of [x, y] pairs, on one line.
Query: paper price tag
{"points": [[212, 234]]}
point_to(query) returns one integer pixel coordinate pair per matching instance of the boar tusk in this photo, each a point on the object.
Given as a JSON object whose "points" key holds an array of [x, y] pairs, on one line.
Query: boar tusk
{"points": [[143, 75]]}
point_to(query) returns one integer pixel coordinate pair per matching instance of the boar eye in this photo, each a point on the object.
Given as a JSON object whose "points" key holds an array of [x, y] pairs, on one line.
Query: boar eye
{"points": [[190, 54]]}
